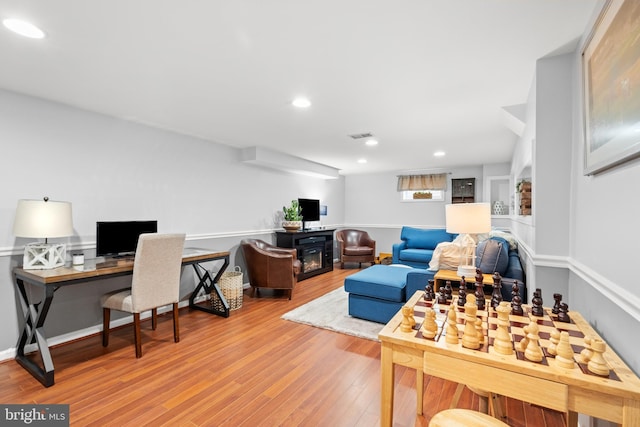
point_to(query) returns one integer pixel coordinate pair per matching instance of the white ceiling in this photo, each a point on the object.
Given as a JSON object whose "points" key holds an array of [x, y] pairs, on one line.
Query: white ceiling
{"points": [[421, 75]]}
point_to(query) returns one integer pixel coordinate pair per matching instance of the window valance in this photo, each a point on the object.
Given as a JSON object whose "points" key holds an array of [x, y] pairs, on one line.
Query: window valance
{"points": [[422, 182]]}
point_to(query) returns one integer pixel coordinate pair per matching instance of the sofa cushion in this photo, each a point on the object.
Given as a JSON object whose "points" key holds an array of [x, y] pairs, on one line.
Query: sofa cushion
{"points": [[417, 238], [358, 250], [492, 256], [379, 281], [419, 255]]}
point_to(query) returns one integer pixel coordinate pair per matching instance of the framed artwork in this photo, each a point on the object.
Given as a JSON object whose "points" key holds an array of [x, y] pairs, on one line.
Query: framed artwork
{"points": [[611, 85]]}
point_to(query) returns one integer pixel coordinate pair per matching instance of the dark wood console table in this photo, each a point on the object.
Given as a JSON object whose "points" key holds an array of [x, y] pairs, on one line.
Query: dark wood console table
{"points": [[314, 249], [48, 281]]}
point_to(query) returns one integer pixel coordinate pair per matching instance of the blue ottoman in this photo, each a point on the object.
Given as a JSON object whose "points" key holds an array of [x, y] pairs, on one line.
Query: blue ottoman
{"points": [[378, 292]]}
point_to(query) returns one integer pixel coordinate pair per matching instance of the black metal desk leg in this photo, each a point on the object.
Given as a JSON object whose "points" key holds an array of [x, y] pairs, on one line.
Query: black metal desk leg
{"points": [[33, 332], [209, 284]]}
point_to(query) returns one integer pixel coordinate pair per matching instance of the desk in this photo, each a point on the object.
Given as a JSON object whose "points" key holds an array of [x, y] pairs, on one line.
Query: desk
{"points": [[94, 269], [573, 391]]}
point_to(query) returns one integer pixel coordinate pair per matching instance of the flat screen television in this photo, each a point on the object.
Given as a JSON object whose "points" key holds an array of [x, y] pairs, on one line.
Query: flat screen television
{"points": [[120, 238], [310, 209]]}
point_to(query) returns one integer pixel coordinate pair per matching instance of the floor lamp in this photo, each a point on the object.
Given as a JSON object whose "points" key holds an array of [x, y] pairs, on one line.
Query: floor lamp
{"points": [[43, 219], [466, 219]]}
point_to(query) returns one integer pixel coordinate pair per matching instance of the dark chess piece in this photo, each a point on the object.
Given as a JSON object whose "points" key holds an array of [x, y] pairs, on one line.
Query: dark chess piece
{"points": [[563, 315], [556, 305], [442, 297], [448, 290], [516, 300], [479, 276], [536, 304], [462, 294], [428, 291], [496, 296], [479, 294]]}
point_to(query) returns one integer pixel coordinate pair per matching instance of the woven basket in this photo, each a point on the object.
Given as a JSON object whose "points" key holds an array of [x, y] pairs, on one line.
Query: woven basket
{"points": [[230, 284]]}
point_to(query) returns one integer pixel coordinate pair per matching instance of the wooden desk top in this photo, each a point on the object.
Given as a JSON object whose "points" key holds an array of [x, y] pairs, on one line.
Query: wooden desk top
{"points": [[99, 267]]}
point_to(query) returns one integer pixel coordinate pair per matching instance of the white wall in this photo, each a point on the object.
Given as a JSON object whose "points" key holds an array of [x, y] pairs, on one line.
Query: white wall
{"points": [[581, 238], [374, 204], [116, 170]]}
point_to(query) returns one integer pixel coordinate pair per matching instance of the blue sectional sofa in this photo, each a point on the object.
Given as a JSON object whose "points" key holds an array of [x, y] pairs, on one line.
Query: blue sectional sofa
{"points": [[379, 292], [417, 246]]}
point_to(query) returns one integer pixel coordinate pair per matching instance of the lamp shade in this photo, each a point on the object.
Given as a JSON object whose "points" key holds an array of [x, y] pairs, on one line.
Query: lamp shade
{"points": [[468, 218], [43, 219]]}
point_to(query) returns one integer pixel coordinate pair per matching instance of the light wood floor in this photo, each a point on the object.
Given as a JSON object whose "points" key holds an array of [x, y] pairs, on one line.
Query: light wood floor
{"points": [[250, 369]]}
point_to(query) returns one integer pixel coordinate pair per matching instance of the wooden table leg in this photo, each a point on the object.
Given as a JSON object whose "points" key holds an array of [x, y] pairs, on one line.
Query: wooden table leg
{"points": [[386, 391], [631, 413], [419, 391]]}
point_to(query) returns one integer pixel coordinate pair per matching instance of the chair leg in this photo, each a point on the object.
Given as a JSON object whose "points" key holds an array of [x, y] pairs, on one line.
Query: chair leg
{"points": [[136, 334], [290, 294], [154, 318], [176, 324], [106, 318]]}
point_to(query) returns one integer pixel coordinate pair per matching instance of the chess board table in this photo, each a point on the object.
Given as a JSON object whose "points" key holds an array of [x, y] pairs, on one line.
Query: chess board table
{"points": [[615, 398]]}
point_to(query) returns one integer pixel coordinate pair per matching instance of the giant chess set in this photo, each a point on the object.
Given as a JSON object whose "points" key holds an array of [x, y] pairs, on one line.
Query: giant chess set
{"points": [[547, 336]]}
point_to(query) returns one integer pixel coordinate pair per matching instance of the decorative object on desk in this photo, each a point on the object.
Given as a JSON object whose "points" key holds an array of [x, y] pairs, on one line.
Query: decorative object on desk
{"points": [[43, 219], [467, 219], [498, 207], [611, 115], [77, 259], [232, 290], [292, 217]]}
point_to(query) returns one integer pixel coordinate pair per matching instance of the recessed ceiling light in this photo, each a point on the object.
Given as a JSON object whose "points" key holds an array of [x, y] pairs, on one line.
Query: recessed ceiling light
{"points": [[301, 103], [362, 161], [439, 154], [24, 28], [371, 142]]}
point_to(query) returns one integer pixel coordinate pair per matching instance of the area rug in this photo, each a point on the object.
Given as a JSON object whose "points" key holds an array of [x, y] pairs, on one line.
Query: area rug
{"points": [[330, 311]]}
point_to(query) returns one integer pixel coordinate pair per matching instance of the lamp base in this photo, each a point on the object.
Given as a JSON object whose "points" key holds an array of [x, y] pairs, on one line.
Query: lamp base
{"points": [[467, 270], [44, 256]]}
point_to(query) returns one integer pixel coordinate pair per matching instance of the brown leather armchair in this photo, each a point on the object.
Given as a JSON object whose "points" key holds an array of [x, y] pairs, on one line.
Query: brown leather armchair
{"points": [[270, 266], [355, 246]]}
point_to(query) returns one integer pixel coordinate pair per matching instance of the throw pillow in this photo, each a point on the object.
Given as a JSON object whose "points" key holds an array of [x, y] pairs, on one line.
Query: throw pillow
{"points": [[492, 256]]}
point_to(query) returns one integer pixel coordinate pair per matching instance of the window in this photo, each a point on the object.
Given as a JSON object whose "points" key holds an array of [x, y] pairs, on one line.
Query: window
{"points": [[422, 196]]}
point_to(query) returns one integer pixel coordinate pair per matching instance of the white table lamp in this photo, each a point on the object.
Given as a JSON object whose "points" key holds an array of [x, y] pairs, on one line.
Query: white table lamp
{"points": [[466, 219], [43, 219]]}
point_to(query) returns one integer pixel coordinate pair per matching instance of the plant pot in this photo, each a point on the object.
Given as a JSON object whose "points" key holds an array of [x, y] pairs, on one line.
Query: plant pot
{"points": [[292, 225]]}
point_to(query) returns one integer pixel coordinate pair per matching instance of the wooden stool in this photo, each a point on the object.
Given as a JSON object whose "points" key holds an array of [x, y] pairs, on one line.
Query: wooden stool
{"points": [[464, 418], [489, 402]]}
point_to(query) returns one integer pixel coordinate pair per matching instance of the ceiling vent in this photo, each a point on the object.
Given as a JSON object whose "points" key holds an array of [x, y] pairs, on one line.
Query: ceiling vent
{"points": [[361, 135]]}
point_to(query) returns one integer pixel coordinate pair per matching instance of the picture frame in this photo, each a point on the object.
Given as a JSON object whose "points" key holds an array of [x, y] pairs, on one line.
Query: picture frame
{"points": [[611, 87]]}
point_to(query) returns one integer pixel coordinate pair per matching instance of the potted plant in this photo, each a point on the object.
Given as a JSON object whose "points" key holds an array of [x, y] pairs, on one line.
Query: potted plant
{"points": [[292, 218]]}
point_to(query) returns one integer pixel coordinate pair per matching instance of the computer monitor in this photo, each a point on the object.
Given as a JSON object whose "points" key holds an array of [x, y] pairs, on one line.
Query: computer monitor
{"points": [[120, 238]]}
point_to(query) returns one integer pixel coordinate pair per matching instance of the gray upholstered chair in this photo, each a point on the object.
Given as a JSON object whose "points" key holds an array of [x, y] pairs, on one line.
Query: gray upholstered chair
{"points": [[155, 283]]}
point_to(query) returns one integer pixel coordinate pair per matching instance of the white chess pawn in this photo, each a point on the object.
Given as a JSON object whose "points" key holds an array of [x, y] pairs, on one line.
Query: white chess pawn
{"points": [[470, 337], [429, 326], [554, 339], [586, 353], [533, 351], [564, 356], [502, 341], [597, 364]]}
